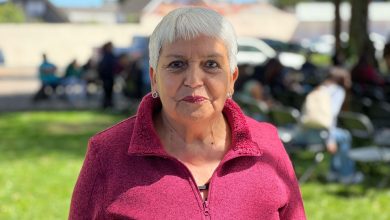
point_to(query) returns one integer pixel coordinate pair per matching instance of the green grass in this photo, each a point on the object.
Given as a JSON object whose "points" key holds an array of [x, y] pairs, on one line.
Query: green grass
{"points": [[321, 60], [325, 200], [41, 154], [333, 201]]}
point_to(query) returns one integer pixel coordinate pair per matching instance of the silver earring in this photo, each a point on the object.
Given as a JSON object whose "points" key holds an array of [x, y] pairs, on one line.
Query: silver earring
{"points": [[154, 94], [229, 95]]}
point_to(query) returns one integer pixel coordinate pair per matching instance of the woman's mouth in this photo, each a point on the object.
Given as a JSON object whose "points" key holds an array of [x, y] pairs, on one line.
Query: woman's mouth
{"points": [[194, 99]]}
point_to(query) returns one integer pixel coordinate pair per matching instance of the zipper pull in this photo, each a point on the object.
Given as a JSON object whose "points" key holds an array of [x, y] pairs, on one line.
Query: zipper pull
{"points": [[206, 208]]}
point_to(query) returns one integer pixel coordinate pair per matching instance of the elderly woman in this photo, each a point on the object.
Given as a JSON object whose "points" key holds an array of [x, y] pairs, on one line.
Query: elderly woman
{"points": [[189, 153]]}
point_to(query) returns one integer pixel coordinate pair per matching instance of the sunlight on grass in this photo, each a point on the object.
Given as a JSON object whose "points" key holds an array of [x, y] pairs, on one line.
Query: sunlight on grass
{"points": [[321, 60], [42, 152], [334, 201], [41, 155]]}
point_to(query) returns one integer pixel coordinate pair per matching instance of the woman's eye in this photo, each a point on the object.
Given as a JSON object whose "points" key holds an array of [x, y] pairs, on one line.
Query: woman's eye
{"points": [[176, 65], [211, 64]]}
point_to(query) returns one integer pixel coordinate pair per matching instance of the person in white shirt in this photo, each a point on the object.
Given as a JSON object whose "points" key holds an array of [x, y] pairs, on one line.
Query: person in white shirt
{"points": [[342, 168]]}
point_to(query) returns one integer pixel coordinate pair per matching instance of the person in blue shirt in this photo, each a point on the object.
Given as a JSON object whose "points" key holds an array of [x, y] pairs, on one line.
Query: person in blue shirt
{"points": [[47, 76]]}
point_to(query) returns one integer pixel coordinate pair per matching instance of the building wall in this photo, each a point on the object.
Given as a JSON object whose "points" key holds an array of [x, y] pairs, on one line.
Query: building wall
{"points": [[23, 44], [316, 18]]}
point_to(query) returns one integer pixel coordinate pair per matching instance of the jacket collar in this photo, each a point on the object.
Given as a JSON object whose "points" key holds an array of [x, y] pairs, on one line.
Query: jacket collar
{"points": [[145, 141]]}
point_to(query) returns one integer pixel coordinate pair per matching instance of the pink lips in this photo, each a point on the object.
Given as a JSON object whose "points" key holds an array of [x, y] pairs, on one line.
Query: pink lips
{"points": [[194, 99]]}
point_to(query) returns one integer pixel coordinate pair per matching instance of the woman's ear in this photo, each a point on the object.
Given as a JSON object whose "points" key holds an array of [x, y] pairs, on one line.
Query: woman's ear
{"points": [[234, 77], [153, 80]]}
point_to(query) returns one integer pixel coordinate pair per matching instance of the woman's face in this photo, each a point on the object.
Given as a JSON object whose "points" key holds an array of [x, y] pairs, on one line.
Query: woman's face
{"points": [[193, 78]]}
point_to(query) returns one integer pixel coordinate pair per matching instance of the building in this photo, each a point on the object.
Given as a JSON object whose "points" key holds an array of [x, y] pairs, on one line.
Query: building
{"points": [[41, 10], [316, 18], [106, 14], [256, 19]]}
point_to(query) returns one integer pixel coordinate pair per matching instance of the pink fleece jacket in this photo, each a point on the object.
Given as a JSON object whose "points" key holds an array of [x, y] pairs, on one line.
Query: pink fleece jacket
{"points": [[127, 174]]}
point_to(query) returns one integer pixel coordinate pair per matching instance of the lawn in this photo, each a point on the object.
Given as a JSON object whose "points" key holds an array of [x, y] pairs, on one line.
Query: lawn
{"points": [[41, 154]]}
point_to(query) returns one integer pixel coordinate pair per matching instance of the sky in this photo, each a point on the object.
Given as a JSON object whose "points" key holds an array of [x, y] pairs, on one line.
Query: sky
{"points": [[77, 3]]}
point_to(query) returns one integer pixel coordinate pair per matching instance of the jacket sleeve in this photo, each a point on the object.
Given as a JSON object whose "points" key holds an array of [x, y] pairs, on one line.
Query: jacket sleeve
{"points": [[294, 209], [87, 197]]}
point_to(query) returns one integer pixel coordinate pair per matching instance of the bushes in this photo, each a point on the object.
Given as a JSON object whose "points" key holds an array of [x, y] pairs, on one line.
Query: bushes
{"points": [[10, 13]]}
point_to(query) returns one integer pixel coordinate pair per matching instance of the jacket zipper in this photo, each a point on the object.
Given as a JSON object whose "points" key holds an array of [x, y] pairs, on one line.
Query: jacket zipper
{"points": [[206, 210], [204, 203]]}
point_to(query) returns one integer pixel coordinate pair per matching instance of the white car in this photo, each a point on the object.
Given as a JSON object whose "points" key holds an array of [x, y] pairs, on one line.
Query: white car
{"points": [[256, 52], [324, 44]]}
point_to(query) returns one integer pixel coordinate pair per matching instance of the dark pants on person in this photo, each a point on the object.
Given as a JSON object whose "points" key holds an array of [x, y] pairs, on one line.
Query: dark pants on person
{"points": [[42, 92], [108, 86]]}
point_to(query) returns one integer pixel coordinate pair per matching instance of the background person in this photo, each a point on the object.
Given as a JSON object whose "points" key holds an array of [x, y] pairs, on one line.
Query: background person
{"points": [[366, 79], [342, 168], [386, 56], [49, 79], [75, 85], [106, 69], [189, 153]]}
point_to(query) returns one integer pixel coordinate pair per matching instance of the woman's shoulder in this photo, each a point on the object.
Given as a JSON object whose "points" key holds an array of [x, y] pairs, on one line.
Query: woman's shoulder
{"points": [[118, 133], [259, 127], [264, 133], [267, 138]]}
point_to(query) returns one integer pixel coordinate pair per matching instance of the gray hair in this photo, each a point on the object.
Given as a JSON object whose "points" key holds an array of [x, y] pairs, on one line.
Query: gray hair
{"points": [[188, 23]]}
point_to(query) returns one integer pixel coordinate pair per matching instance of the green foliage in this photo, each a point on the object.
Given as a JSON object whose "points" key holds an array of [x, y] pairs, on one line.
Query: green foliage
{"points": [[133, 18], [290, 3], [10, 13], [42, 153]]}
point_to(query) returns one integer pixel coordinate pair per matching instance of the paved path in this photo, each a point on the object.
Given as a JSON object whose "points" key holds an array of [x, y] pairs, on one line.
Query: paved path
{"points": [[18, 85]]}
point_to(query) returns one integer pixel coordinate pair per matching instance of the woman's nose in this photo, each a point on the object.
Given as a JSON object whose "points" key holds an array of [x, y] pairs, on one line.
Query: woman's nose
{"points": [[194, 77]]}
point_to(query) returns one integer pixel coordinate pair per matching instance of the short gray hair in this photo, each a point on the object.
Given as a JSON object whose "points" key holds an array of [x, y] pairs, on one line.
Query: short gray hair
{"points": [[188, 23]]}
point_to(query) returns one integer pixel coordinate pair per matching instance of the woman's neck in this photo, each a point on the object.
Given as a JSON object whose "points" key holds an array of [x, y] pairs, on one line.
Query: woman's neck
{"points": [[206, 139]]}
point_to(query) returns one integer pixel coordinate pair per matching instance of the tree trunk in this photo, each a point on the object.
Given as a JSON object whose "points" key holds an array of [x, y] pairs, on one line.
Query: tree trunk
{"points": [[359, 41], [338, 56], [337, 26]]}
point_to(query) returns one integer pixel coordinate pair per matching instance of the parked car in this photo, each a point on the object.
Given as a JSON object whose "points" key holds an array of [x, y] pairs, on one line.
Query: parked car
{"points": [[324, 44], [254, 51], [284, 46]]}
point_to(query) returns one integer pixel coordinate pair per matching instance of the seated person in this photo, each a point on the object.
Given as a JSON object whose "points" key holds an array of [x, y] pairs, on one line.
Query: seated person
{"points": [[342, 168], [75, 85], [48, 78]]}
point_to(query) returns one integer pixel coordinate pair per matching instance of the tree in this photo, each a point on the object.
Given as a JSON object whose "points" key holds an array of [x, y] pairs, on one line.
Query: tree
{"points": [[337, 26], [359, 40], [291, 3], [9, 13]]}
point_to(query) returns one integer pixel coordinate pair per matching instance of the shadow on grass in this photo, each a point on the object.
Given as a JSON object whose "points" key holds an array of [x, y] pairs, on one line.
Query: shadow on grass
{"points": [[374, 174], [33, 134], [348, 191]]}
